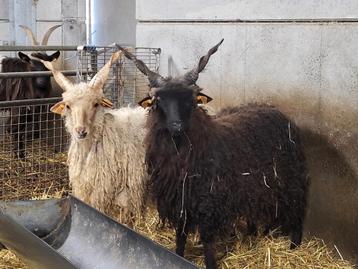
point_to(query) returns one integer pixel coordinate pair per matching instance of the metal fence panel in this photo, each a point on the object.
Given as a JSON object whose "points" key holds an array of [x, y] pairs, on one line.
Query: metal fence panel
{"points": [[33, 141], [32, 151], [125, 85]]}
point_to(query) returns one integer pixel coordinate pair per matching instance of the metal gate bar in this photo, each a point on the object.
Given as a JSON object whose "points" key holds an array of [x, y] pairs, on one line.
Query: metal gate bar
{"points": [[33, 74], [38, 48]]}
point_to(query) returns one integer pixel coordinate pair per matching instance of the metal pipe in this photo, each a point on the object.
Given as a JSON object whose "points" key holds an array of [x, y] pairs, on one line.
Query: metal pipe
{"points": [[32, 74], [62, 48], [38, 48], [28, 102]]}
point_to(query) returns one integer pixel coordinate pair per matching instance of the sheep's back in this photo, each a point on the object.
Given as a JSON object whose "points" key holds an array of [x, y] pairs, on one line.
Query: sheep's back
{"points": [[245, 161], [267, 166]]}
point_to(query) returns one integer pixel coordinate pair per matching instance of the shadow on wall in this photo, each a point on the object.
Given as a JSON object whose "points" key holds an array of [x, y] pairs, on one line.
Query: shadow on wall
{"points": [[333, 199], [330, 136]]}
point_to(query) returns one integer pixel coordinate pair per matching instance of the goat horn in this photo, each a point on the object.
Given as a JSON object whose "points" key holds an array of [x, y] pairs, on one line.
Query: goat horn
{"points": [[192, 76], [155, 80], [48, 34], [30, 34], [61, 80], [100, 78]]}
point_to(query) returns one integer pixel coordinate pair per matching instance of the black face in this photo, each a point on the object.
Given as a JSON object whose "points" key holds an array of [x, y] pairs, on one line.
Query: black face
{"points": [[40, 82], [43, 83], [176, 102]]}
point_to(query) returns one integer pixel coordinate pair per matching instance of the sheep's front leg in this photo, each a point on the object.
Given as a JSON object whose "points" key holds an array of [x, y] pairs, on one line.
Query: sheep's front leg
{"points": [[209, 249], [181, 236], [17, 131], [251, 228], [210, 255], [296, 235]]}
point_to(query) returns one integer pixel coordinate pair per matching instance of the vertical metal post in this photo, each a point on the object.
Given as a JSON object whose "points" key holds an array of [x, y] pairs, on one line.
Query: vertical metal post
{"points": [[88, 22]]}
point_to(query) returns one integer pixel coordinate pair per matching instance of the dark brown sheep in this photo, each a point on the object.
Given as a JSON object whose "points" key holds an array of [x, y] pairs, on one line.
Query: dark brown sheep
{"points": [[24, 88], [207, 172]]}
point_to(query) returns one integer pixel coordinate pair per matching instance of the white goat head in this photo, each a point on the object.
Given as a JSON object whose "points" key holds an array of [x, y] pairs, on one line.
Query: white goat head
{"points": [[82, 102]]}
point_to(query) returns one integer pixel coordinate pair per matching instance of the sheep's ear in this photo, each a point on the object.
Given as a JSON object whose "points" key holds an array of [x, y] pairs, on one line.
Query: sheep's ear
{"points": [[146, 102], [203, 98], [58, 108], [106, 103], [54, 56], [24, 57]]}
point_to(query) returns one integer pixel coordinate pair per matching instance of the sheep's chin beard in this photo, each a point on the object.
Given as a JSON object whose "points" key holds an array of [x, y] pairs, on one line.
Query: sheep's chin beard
{"points": [[80, 139]]}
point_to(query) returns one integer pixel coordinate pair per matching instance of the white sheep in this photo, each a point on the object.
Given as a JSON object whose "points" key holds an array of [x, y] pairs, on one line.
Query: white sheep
{"points": [[106, 153]]}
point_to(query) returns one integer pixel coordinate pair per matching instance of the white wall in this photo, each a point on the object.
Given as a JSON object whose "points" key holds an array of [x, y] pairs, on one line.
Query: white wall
{"points": [[245, 9], [40, 15], [300, 56]]}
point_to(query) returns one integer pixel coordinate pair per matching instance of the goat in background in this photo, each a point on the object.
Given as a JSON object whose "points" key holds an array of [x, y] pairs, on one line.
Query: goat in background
{"points": [[23, 118]]}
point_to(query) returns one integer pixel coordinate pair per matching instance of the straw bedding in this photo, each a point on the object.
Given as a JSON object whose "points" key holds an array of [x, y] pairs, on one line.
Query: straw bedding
{"points": [[42, 171], [235, 252]]}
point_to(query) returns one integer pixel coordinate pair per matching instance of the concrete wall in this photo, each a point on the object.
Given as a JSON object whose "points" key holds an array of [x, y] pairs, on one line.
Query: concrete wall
{"points": [[40, 15], [298, 55]]}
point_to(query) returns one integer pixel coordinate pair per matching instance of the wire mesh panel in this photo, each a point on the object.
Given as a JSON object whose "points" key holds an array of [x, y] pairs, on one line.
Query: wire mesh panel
{"points": [[32, 149], [125, 85], [33, 140]]}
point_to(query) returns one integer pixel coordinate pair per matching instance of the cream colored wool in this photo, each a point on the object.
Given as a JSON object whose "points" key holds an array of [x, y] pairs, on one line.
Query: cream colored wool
{"points": [[107, 169], [106, 154]]}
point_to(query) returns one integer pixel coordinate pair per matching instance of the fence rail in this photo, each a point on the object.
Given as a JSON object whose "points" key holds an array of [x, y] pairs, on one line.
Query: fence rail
{"points": [[25, 102], [38, 48], [33, 74]]}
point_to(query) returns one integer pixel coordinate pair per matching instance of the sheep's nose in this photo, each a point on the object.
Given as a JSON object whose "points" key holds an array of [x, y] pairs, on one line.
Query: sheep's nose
{"points": [[81, 131], [177, 126]]}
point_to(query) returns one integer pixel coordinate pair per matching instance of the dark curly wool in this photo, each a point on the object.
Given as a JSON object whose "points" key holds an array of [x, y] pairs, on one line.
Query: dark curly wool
{"points": [[208, 172], [244, 162], [15, 88], [19, 89]]}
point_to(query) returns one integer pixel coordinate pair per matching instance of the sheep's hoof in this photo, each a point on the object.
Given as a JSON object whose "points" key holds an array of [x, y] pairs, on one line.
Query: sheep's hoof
{"points": [[293, 245]]}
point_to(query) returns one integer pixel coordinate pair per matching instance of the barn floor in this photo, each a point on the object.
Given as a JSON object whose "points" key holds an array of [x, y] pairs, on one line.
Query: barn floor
{"points": [[236, 252], [44, 179], [43, 171]]}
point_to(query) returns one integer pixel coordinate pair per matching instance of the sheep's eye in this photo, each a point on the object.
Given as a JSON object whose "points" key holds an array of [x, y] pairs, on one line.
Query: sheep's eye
{"points": [[96, 105], [68, 107]]}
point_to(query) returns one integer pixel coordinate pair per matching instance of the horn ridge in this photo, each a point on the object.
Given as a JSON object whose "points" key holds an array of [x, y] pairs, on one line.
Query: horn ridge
{"points": [[48, 34], [192, 76], [155, 79], [30, 34]]}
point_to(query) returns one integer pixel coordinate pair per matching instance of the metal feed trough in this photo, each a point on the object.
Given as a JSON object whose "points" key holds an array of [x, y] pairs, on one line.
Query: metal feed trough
{"points": [[43, 170], [66, 233]]}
